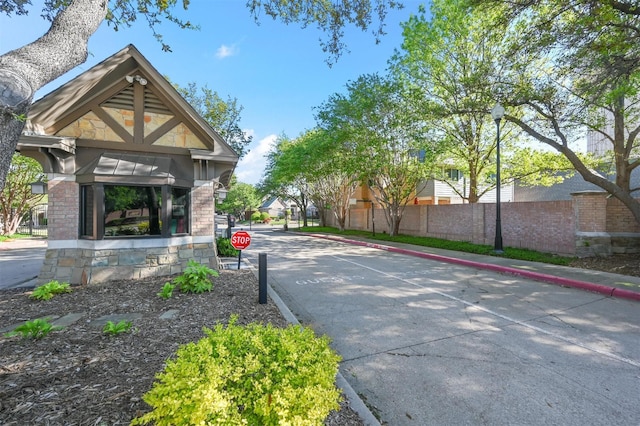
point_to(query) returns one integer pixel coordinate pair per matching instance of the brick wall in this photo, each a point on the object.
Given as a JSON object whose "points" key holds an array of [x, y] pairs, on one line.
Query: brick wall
{"points": [[447, 221], [619, 219], [590, 211], [546, 226], [590, 224]]}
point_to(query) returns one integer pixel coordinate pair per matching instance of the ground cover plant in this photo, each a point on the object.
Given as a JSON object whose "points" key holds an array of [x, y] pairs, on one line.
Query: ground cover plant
{"points": [[167, 291], [225, 249], [113, 329], [463, 246], [195, 278], [36, 329], [50, 289]]}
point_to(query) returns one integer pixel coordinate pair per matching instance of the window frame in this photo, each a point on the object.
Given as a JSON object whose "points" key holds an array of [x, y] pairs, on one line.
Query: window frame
{"points": [[97, 213]]}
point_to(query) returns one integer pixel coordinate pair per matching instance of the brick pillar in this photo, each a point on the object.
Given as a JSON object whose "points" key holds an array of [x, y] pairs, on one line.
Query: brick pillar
{"points": [[64, 205], [590, 212], [478, 213], [202, 204]]}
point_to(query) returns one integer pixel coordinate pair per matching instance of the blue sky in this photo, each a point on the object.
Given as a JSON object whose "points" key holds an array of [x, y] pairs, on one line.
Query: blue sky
{"points": [[278, 73]]}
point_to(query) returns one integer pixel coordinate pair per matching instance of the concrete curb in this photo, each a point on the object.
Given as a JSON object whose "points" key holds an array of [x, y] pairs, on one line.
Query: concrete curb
{"points": [[354, 399], [537, 276]]}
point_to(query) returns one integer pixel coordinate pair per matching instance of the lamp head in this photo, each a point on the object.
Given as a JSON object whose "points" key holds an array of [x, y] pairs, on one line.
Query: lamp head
{"points": [[497, 112], [38, 187], [222, 194]]}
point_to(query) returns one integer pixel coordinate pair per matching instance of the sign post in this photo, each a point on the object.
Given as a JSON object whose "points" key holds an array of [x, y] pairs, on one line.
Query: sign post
{"points": [[240, 240]]}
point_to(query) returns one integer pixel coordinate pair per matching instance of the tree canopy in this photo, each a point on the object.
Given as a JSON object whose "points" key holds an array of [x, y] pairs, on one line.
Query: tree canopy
{"points": [[223, 115], [241, 198], [578, 69], [25, 70], [389, 146]]}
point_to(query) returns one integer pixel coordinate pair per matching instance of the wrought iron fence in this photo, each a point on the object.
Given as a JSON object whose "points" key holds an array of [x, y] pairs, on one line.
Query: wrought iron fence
{"points": [[34, 222]]}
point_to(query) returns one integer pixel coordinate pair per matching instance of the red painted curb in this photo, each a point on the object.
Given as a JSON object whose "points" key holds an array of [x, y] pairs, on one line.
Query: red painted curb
{"points": [[537, 276]]}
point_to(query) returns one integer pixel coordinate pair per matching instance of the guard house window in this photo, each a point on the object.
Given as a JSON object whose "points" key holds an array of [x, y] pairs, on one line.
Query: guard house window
{"points": [[179, 211], [87, 211], [125, 211], [132, 210], [125, 195]]}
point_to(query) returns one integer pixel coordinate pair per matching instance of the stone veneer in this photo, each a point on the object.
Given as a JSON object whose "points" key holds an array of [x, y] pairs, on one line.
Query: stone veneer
{"points": [[604, 226], [96, 262]]}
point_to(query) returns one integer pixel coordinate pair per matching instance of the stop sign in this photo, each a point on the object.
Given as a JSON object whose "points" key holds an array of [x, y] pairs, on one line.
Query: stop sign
{"points": [[240, 240]]}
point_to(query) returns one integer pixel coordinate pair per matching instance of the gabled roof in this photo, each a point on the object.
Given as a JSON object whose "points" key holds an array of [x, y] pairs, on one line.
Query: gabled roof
{"points": [[109, 83], [273, 202]]}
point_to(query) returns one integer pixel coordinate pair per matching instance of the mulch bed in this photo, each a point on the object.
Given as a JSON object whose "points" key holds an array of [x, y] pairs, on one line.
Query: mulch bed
{"points": [[80, 376]]}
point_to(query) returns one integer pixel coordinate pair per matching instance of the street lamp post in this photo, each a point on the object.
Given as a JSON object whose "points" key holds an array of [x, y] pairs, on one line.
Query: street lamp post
{"points": [[497, 113]]}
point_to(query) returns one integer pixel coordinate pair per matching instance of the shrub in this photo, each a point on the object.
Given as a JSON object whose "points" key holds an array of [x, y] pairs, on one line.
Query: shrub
{"points": [[255, 375], [50, 289], [195, 278], [225, 249], [265, 217], [255, 216]]}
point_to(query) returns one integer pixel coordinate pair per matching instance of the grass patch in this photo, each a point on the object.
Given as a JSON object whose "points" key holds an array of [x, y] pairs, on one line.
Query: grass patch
{"points": [[463, 246], [4, 238]]}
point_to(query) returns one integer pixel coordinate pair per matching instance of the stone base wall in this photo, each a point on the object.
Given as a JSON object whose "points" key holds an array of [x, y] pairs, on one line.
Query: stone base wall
{"points": [[98, 265], [590, 244]]}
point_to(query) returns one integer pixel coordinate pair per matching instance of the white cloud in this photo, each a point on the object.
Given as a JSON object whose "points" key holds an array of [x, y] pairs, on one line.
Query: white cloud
{"points": [[226, 51], [251, 167]]}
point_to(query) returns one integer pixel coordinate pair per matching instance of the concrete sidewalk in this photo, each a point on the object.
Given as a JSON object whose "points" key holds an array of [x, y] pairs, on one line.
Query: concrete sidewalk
{"points": [[616, 285]]}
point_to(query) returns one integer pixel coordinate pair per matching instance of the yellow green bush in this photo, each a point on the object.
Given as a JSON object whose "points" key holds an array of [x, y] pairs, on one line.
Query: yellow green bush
{"points": [[251, 375]]}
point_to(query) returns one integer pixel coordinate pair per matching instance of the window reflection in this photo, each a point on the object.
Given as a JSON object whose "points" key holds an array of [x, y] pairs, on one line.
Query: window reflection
{"points": [[132, 210]]}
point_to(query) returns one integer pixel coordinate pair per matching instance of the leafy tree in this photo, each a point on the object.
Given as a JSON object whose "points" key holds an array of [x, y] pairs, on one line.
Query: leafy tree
{"points": [[377, 127], [223, 116], [16, 198], [323, 166], [447, 72], [64, 46], [579, 68], [285, 175], [240, 198], [449, 59]]}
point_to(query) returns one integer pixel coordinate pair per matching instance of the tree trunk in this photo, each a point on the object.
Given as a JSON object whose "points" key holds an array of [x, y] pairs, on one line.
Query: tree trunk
{"points": [[25, 70], [473, 187]]}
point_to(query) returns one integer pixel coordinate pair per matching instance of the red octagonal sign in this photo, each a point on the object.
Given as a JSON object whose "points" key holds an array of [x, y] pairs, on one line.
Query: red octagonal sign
{"points": [[240, 240]]}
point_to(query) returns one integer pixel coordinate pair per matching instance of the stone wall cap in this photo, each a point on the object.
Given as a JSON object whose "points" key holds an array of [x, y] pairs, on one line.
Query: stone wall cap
{"points": [[589, 192]]}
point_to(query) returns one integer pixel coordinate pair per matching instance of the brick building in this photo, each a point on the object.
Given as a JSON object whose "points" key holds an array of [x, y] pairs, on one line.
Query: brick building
{"points": [[132, 174]]}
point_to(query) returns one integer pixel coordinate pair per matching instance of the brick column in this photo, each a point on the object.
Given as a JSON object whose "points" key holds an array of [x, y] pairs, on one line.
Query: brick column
{"points": [[64, 205], [202, 209], [590, 212]]}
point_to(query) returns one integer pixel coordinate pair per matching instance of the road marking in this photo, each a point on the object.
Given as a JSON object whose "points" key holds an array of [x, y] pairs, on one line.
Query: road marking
{"points": [[501, 316]]}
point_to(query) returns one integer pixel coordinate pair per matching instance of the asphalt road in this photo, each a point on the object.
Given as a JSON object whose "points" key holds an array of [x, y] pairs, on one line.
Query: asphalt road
{"points": [[431, 343], [20, 263]]}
